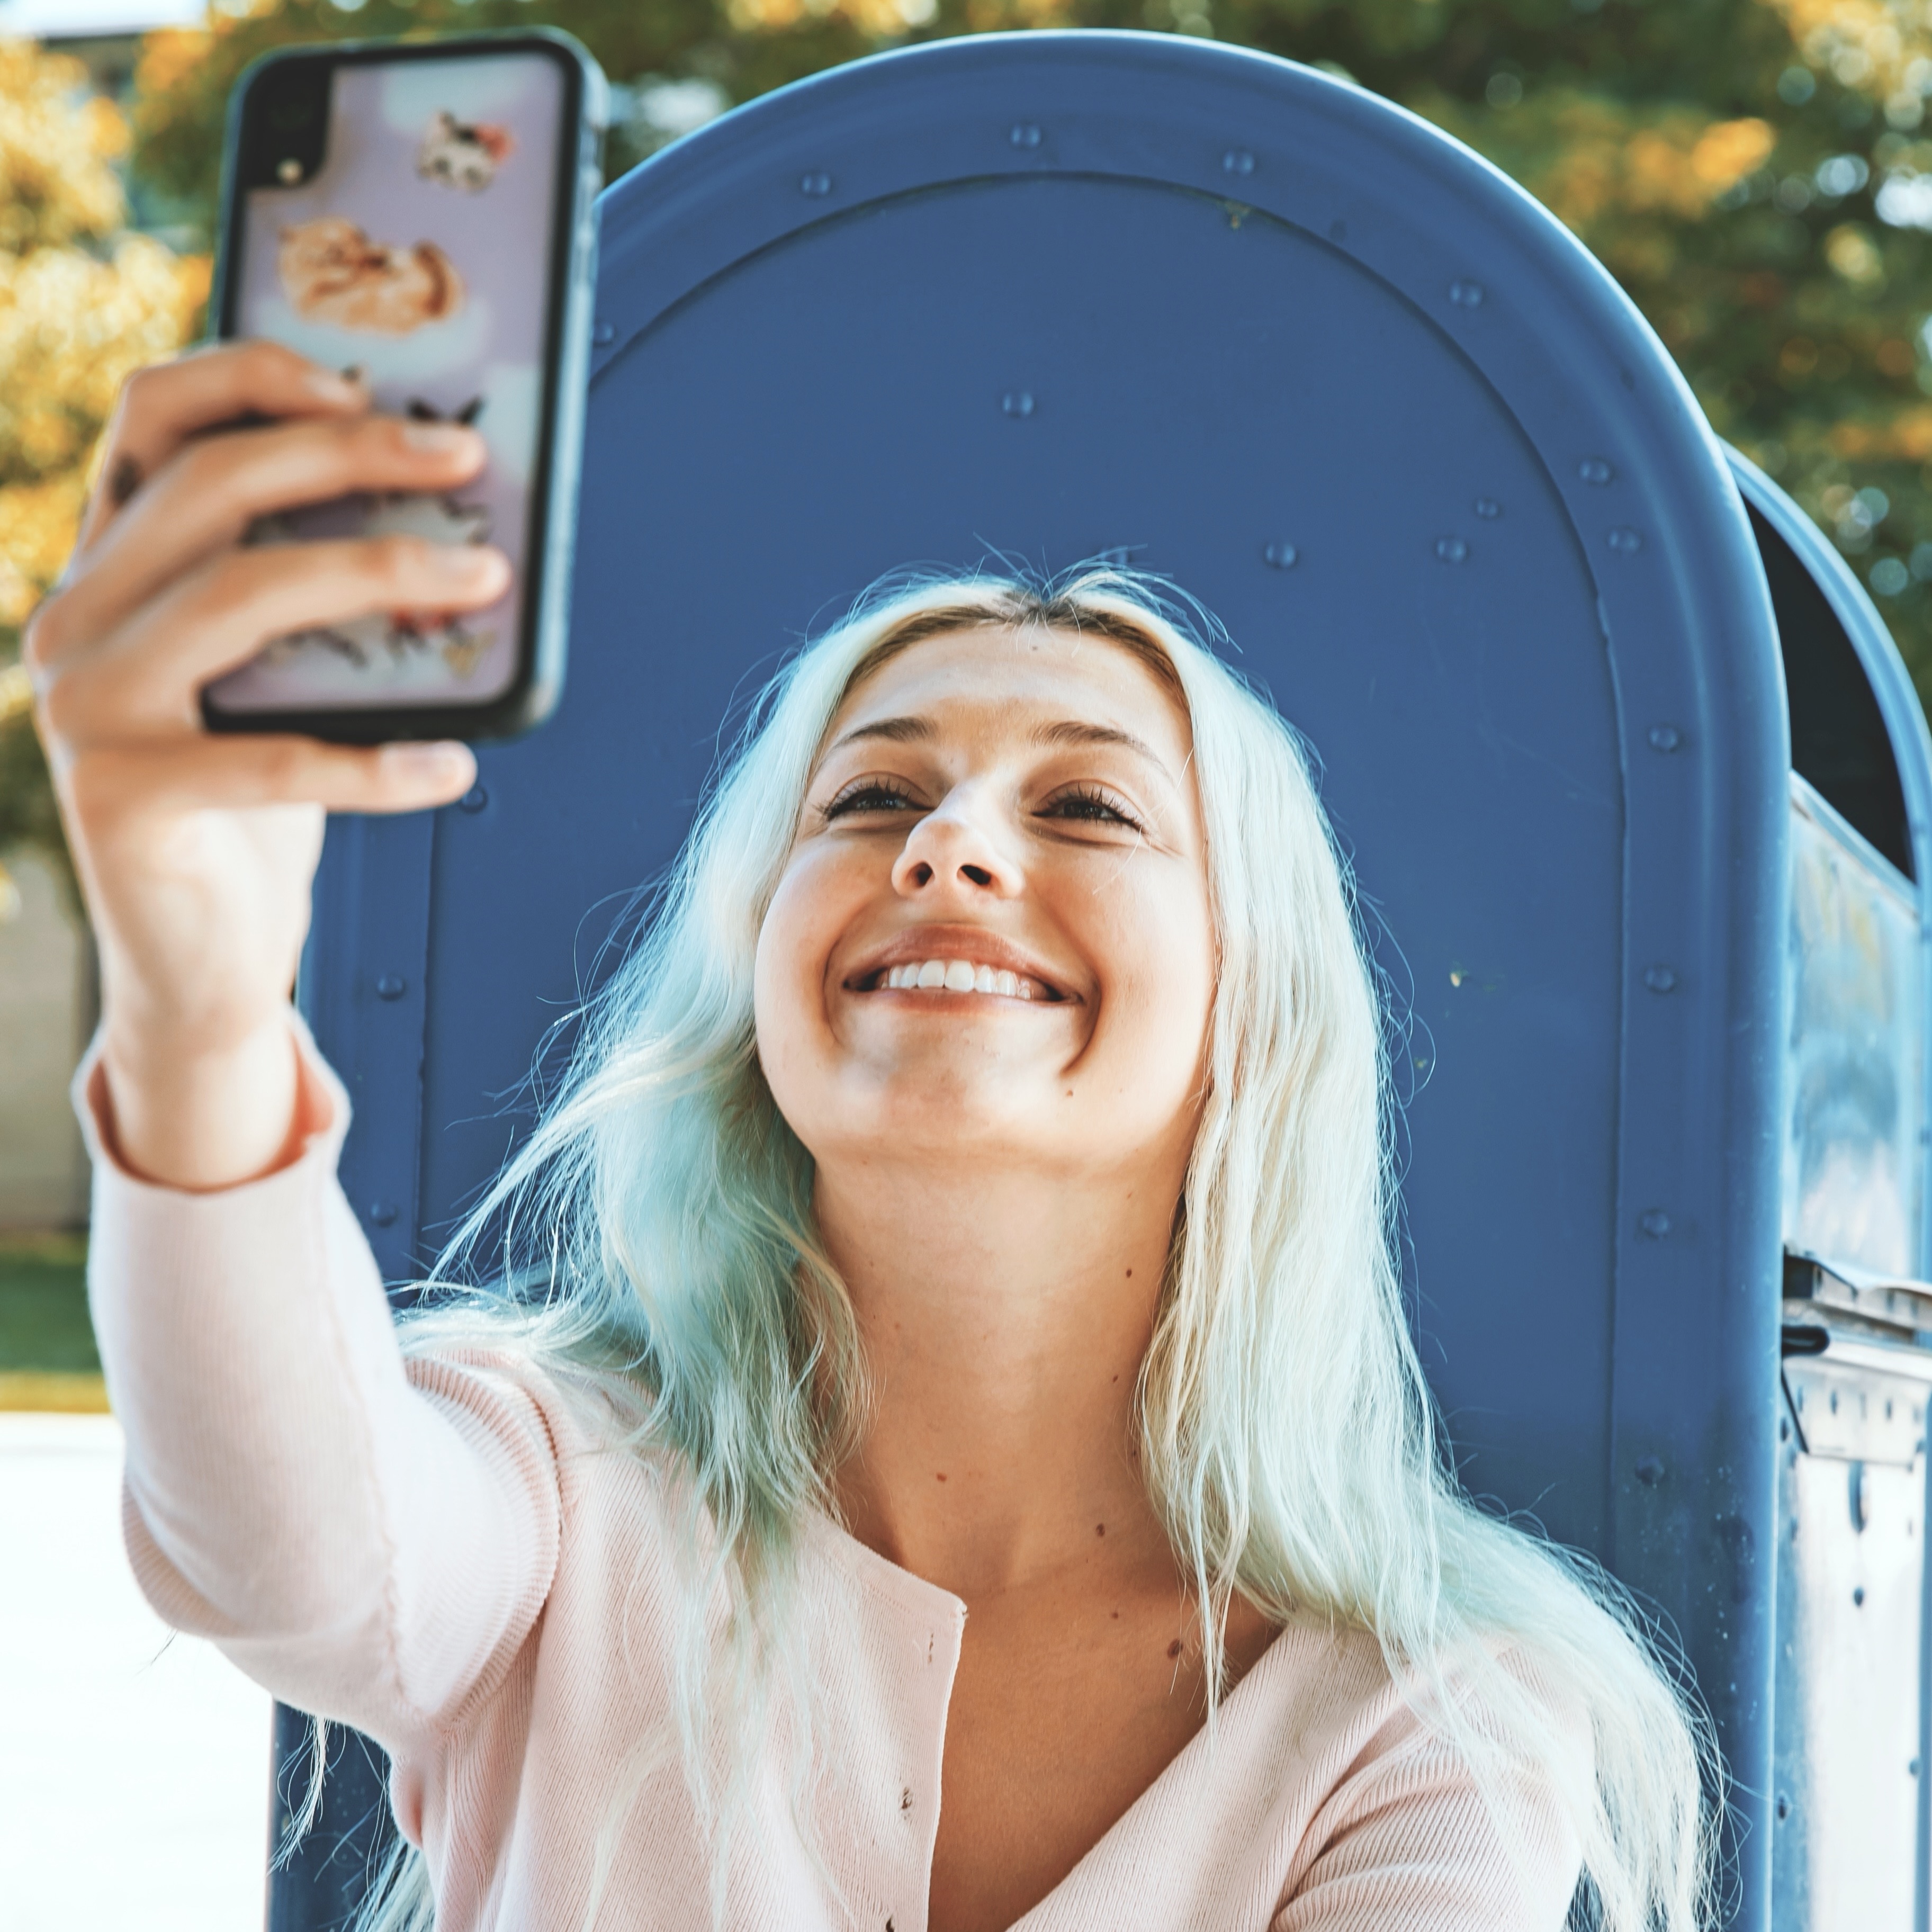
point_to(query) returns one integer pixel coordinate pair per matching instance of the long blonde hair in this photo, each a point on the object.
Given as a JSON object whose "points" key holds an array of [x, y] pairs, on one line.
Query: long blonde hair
{"points": [[657, 1228]]}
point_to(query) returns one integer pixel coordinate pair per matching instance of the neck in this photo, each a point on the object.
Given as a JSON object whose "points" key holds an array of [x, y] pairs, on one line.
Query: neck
{"points": [[1004, 1319]]}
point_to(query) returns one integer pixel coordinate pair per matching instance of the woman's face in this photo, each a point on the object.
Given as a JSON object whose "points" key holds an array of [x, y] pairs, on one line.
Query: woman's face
{"points": [[991, 941]]}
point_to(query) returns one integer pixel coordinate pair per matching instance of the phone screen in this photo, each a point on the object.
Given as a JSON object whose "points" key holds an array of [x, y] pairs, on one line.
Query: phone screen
{"points": [[418, 251]]}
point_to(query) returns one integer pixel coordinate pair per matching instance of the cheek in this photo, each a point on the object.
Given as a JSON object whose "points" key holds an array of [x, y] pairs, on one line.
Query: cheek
{"points": [[1166, 991], [807, 914]]}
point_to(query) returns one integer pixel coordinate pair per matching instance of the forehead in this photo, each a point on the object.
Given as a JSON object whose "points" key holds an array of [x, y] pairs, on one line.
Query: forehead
{"points": [[989, 674]]}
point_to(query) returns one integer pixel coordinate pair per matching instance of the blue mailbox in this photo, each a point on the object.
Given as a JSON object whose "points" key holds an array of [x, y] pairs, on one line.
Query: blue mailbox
{"points": [[1057, 295], [1849, 1731]]}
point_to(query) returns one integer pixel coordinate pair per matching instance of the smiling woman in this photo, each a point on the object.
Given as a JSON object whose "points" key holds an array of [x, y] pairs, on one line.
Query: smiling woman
{"points": [[925, 1434]]}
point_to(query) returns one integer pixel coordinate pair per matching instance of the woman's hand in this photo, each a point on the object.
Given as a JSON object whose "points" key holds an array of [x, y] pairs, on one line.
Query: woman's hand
{"points": [[196, 852]]}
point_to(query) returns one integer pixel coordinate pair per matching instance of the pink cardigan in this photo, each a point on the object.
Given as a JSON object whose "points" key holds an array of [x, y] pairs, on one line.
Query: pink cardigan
{"points": [[443, 1555]]}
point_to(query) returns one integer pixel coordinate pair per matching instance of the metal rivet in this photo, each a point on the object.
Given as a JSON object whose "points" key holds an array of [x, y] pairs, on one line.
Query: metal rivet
{"points": [[815, 184], [1451, 550], [603, 333], [1783, 1808], [1659, 978], [1024, 134], [1017, 402], [1665, 738], [1466, 295], [474, 799], [1784, 1429], [383, 1213], [1594, 469], [1237, 161], [1650, 1470], [390, 987], [1626, 542], [1488, 508], [1282, 555], [1655, 1223], [1858, 1597]]}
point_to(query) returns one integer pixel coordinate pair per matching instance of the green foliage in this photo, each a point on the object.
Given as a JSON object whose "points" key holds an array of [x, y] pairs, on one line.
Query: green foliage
{"points": [[1725, 159], [44, 1320]]}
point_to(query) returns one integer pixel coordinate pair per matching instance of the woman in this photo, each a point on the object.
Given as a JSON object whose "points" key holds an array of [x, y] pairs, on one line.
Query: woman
{"points": [[943, 1339]]}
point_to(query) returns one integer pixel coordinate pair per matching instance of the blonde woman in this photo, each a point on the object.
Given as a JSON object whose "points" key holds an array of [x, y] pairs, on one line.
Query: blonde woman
{"points": [[932, 1439]]}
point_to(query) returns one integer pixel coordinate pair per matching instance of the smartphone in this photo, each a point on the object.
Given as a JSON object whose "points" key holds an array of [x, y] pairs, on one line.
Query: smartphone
{"points": [[421, 212]]}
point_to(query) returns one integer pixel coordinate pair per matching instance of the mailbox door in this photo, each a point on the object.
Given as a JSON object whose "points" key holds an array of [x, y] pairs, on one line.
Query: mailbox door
{"points": [[1042, 297]]}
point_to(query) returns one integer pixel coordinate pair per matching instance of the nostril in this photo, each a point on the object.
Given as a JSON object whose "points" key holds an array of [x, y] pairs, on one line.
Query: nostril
{"points": [[978, 874]]}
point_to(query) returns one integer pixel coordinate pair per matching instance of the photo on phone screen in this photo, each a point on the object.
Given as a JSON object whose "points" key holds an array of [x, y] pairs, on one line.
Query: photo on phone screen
{"points": [[411, 233]]}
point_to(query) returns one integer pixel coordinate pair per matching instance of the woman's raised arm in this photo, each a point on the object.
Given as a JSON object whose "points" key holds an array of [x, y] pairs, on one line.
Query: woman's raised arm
{"points": [[196, 852], [362, 1547]]}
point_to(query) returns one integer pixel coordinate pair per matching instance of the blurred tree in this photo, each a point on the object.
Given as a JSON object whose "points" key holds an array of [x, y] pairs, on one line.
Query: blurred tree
{"points": [[81, 304], [1753, 171]]}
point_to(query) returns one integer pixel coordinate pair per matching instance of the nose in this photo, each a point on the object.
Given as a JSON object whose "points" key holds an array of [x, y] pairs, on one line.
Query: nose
{"points": [[957, 851]]}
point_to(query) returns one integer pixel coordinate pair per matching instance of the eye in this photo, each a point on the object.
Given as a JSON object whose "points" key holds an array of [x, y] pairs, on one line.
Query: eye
{"points": [[1090, 804], [868, 795]]}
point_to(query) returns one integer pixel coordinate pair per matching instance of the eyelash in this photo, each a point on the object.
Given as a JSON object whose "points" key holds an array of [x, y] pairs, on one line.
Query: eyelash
{"points": [[850, 798], [1110, 807], [879, 794]]}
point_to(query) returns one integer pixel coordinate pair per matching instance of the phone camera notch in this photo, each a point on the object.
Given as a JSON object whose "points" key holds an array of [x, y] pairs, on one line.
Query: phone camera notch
{"points": [[285, 122]]}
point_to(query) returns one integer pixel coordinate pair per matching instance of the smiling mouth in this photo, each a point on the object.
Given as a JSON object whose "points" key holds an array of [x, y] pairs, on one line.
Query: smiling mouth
{"points": [[957, 975]]}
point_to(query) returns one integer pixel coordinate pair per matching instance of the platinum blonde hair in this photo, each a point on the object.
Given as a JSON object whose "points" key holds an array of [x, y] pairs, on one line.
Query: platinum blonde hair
{"points": [[657, 1229]]}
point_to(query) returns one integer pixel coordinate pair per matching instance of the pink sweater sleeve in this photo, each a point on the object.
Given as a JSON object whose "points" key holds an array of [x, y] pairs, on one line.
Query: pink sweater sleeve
{"points": [[1407, 1839], [371, 1541]]}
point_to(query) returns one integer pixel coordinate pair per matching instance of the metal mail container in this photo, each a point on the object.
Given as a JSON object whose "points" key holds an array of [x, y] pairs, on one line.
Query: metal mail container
{"points": [[1849, 1808], [1049, 297]]}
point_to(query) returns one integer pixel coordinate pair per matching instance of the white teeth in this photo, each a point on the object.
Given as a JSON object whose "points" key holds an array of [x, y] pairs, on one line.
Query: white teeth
{"points": [[961, 976]]}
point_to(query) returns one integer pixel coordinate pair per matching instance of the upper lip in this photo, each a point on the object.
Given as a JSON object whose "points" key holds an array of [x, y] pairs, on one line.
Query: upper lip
{"points": [[973, 943]]}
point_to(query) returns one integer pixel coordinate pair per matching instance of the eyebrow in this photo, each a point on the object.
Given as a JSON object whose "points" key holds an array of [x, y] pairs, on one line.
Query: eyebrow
{"points": [[1068, 731]]}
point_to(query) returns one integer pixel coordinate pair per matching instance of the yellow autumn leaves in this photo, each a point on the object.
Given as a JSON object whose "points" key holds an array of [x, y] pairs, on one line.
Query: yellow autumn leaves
{"points": [[81, 304]]}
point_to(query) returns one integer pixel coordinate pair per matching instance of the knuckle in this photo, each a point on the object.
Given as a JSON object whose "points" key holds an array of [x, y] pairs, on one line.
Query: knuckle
{"points": [[284, 767], [59, 708], [226, 586], [139, 387], [262, 359], [44, 634], [202, 467], [396, 562]]}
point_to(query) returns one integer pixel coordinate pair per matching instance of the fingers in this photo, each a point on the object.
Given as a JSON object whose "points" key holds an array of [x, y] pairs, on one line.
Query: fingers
{"points": [[209, 493], [147, 675], [161, 408], [112, 783]]}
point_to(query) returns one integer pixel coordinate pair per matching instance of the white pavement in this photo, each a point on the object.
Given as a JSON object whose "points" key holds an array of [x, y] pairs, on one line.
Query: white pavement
{"points": [[133, 1763]]}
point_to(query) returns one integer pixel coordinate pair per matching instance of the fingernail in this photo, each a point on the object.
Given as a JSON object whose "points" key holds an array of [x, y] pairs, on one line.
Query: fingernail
{"points": [[331, 387], [440, 438], [433, 764], [468, 563]]}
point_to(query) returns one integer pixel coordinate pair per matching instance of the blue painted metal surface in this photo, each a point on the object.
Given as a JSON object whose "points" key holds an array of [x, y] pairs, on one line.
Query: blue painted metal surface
{"points": [[1903, 719], [1854, 1603], [1060, 294]]}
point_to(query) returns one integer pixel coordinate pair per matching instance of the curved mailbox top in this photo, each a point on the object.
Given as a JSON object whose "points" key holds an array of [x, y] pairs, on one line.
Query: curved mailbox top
{"points": [[1864, 630], [1053, 295]]}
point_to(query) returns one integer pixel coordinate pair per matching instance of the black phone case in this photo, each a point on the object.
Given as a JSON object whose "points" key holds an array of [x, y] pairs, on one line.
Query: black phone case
{"points": [[543, 611]]}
